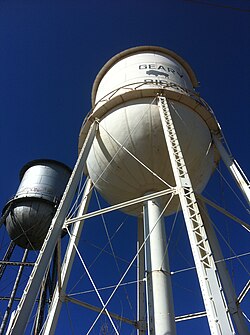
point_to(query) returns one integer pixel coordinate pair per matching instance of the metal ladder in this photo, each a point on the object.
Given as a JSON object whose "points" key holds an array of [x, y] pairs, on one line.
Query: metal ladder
{"points": [[218, 315]]}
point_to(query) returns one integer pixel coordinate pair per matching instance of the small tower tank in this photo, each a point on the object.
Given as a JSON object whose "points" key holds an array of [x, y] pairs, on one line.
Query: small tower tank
{"points": [[29, 213]]}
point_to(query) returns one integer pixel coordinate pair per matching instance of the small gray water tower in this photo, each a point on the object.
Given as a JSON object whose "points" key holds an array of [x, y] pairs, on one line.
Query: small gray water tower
{"points": [[29, 213]]}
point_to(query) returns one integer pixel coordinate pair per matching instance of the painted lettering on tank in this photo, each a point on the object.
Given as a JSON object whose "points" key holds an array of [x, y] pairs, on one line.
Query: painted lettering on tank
{"points": [[163, 83], [157, 73], [160, 67]]}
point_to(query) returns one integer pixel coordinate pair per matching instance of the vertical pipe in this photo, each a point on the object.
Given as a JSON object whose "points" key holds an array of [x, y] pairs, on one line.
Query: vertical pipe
{"points": [[13, 294], [161, 318], [141, 310]]}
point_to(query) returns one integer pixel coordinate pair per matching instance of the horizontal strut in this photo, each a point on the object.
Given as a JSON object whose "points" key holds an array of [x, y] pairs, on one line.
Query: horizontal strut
{"points": [[224, 211], [16, 263], [98, 309], [190, 316], [126, 320], [244, 292], [121, 205]]}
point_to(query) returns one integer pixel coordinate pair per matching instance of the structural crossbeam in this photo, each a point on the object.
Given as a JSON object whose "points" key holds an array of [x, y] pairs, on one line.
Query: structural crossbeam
{"points": [[244, 292], [13, 263], [121, 205], [190, 316], [223, 211], [100, 310]]}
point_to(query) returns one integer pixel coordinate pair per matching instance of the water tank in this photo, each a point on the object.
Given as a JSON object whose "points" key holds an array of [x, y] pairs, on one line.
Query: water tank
{"points": [[124, 99], [29, 213]]}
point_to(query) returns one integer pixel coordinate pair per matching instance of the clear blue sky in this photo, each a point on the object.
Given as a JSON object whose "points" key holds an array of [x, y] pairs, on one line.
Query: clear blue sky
{"points": [[50, 53]]}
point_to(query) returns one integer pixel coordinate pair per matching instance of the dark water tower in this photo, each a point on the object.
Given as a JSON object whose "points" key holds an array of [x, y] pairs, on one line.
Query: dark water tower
{"points": [[29, 213], [27, 217]]}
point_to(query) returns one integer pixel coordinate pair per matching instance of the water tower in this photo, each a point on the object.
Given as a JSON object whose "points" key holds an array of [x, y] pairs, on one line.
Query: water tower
{"points": [[27, 217], [149, 146], [29, 213]]}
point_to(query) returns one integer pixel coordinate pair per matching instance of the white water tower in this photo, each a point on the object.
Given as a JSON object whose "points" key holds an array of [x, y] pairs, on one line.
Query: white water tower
{"points": [[125, 99], [150, 145]]}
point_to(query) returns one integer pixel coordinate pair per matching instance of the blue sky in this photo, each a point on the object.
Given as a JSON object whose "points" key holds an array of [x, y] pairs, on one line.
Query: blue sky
{"points": [[50, 53]]}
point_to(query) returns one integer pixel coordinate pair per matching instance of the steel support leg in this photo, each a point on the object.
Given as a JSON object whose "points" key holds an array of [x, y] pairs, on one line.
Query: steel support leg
{"points": [[234, 168], [13, 293], [218, 315], [24, 309], [7, 257], [141, 310], [41, 306], [59, 293], [234, 307], [161, 318]]}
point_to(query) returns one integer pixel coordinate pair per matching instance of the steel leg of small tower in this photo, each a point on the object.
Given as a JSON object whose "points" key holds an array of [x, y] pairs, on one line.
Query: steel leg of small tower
{"points": [[218, 315], [234, 169], [13, 293], [6, 257], [141, 310], [52, 280], [234, 307], [27, 301], [41, 306], [59, 293], [161, 318]]}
